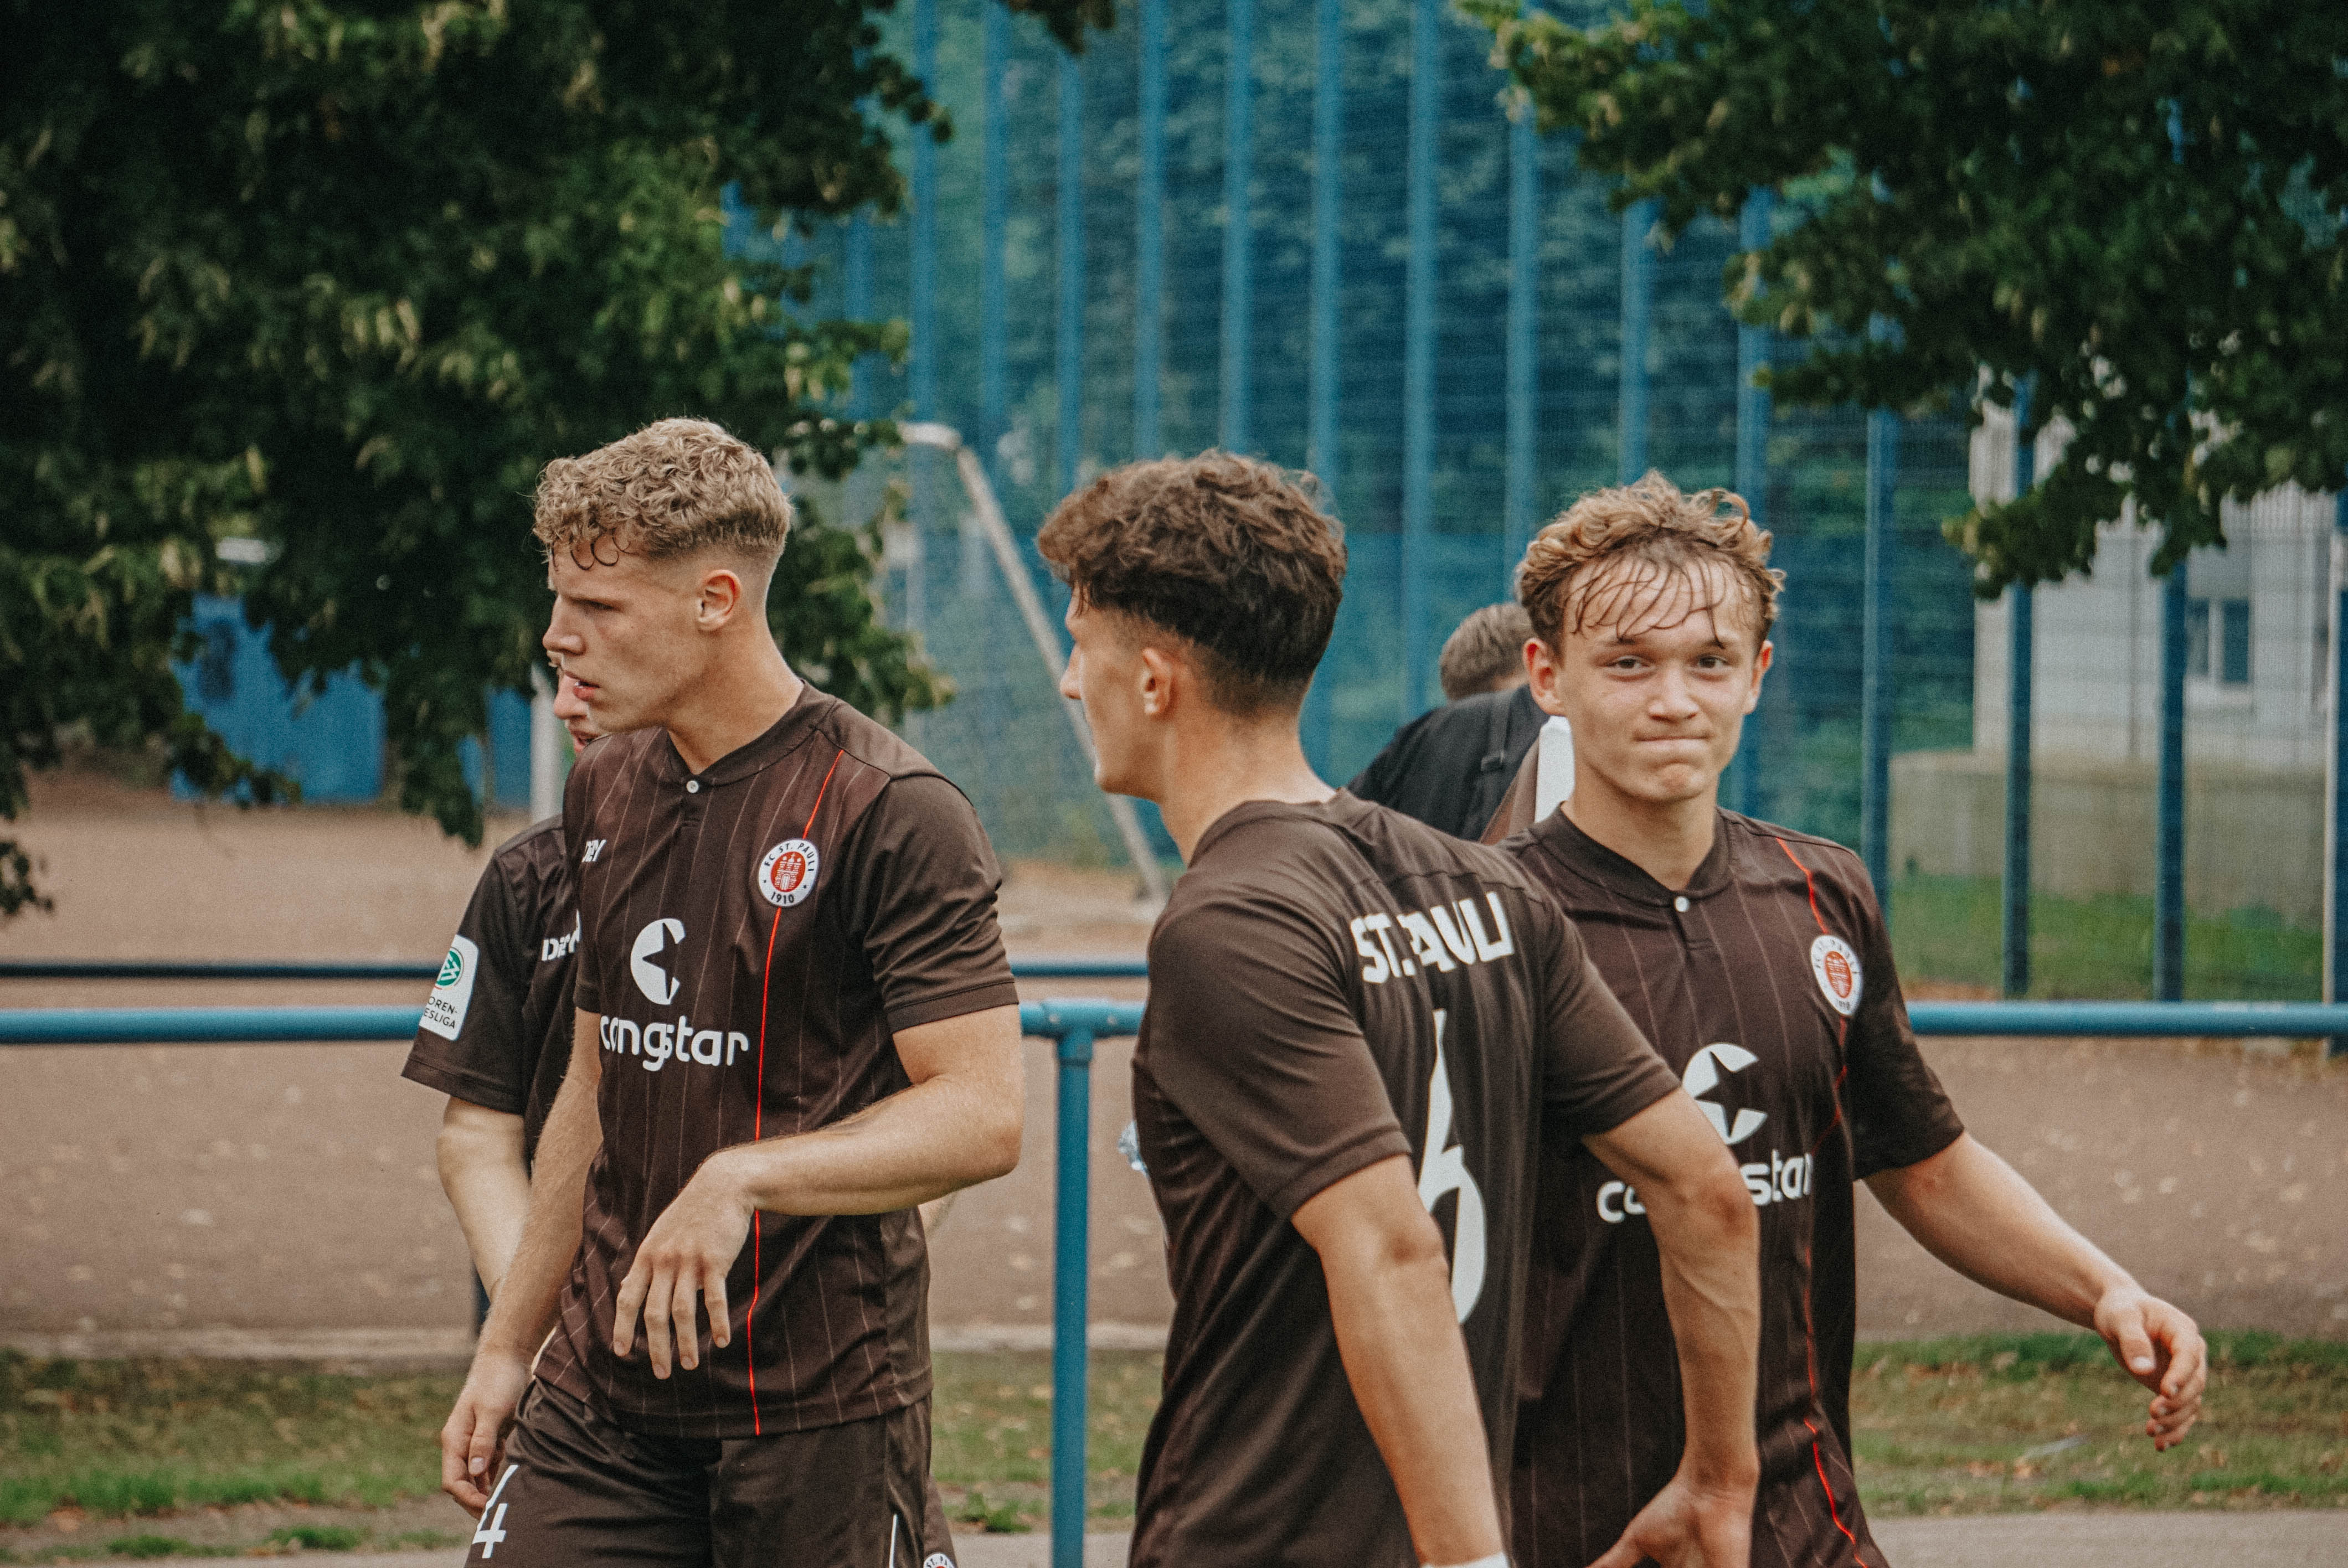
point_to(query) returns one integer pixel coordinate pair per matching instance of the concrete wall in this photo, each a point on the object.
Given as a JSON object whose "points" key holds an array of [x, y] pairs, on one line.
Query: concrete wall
{"points": [[2252, 834]]}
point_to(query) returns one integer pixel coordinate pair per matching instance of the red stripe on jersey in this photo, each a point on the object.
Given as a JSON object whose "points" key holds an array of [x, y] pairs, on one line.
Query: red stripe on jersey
{"points": [[758, 1121], [1809, 1337]]}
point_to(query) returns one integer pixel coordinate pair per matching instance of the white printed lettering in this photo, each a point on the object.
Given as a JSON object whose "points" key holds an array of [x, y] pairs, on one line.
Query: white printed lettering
{"points": [[1446, 928], [657, 1046], [1378, 926], [1424, 946], [709, 1047], [736, 1040], [1374, 968], [1505, 943]]}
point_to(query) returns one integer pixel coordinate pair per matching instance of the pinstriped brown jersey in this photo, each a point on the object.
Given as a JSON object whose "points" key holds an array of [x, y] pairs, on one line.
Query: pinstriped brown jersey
{"points": [[1766, 982], [752, 935]]}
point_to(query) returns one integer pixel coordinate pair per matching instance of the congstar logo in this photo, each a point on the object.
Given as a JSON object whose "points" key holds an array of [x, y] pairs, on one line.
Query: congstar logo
{"points": [[1779, 1181]]}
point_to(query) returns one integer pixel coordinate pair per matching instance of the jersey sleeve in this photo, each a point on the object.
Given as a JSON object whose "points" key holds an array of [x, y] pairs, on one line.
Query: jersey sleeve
{"points": [[921, 881], [578, 826], [1899, 1114], [471, 1042], [1597, 1070], [1254, 1038]]}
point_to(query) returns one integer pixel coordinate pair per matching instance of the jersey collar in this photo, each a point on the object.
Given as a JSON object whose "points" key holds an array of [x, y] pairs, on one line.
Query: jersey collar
{"points": [[1585, 856], [783, 737]]}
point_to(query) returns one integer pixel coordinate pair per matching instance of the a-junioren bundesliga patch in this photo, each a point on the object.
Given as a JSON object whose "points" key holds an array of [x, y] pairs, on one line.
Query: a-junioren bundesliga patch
{"points": [[444, 1010]]}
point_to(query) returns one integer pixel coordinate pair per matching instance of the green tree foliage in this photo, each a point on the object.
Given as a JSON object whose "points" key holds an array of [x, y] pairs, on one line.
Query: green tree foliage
{"points": [[340, 276], [2134, 206]]}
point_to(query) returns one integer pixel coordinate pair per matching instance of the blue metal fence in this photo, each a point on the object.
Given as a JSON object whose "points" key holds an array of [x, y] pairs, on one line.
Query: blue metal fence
{"points": [[1074, 1027]]}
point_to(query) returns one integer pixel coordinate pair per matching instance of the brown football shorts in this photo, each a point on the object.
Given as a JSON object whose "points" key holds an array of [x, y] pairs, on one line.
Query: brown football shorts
{"points": [[575, 1489]]}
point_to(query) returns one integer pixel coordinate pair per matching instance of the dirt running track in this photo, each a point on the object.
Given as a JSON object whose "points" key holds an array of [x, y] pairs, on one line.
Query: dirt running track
{"points": [[160, 1195]]}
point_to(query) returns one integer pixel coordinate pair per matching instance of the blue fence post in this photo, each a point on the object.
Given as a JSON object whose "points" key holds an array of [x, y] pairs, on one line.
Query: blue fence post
{"points": [[1633, 398], [1875, 679], [1071, 1267], [1418, 345], [2336, 862], [2019, 661], [1238, 231], [1320, 384], [994, 326], [1753, 417], [1521, 494], [1068, 365], [1149, 231], [2169, 862]]}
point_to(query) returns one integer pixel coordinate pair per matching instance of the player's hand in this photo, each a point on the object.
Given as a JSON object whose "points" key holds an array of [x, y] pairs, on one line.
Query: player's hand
{"points": [[473, 1439], [2162, 1348], [685, 1259], [1688, 1525]]}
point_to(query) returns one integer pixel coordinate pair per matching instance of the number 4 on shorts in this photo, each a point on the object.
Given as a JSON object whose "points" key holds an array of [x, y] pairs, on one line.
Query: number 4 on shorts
{"points": [[491, 1530]]}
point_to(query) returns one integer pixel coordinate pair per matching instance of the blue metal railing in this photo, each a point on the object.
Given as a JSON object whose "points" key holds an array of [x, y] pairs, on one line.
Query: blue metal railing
{"points": [[1074, 1026], [1065, 968]]}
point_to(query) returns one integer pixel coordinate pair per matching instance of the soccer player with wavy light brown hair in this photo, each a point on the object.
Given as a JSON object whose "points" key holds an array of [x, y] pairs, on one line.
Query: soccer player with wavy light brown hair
{"points": [[1754, 957], [1360, 1034], [794, 1021]]}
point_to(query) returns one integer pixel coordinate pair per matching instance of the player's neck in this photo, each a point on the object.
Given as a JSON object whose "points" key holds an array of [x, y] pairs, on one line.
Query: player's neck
{"points": [[1212, 767], [737, 700], [1665, 839]]}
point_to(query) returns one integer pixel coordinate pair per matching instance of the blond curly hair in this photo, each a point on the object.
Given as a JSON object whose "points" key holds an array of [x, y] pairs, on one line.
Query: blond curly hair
{"points": [[675, 487], [1680, 554]]}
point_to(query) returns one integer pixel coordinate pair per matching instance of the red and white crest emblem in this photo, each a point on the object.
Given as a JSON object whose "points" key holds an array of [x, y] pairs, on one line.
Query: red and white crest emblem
{"points": [[1838, 974], [788, 874]]}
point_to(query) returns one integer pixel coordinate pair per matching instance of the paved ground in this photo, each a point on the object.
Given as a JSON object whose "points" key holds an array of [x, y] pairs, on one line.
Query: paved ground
{"points": [[246, 1195], [2295, 1538]]}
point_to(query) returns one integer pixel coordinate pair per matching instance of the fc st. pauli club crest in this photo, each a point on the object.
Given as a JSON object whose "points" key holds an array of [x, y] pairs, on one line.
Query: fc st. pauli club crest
{"points": [[1836, 965], [788, 874]]}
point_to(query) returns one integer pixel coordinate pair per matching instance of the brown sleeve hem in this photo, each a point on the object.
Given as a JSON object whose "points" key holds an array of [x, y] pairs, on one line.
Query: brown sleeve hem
{"points": [[1925, 1146], [486, 1092], [1654, 1082], [954, 1004], [1360, 1154]]}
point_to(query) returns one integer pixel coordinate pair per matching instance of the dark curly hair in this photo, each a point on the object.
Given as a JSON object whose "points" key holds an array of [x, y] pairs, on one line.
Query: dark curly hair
{"points": [[1230, 554]]}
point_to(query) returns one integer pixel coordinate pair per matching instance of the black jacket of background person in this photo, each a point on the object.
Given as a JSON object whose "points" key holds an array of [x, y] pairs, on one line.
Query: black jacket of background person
{"points": [[1450, 766], [497, 1030]]}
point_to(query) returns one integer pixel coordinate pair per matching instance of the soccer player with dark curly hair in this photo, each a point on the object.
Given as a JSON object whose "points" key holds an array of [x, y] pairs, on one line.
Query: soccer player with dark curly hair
{"points": [[1755, 960], [1361, 1034]]}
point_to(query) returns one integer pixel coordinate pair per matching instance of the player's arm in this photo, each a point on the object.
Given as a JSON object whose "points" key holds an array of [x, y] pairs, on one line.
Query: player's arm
{"points": [[479, 1151], [1706, 1230], [1975, 1213], [473, 1441], [1390, 1299], [958, 1123]]}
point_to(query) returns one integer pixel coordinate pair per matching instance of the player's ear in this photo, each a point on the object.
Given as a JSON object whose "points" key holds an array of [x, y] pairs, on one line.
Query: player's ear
{"points": [[1761, 662], [1157, 675], [1546, 674], [721, 594]]}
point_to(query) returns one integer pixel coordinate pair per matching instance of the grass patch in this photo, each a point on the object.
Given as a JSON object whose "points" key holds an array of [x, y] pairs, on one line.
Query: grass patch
{"points": [[126, 1439], [1948, 928], [1976, 1424], [1997, 1423]]}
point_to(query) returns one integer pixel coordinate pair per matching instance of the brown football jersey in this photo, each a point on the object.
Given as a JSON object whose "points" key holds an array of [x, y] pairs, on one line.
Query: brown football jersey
{"points": [[1330, 986], [1766, 983], [752, 937], [497, 1028]]}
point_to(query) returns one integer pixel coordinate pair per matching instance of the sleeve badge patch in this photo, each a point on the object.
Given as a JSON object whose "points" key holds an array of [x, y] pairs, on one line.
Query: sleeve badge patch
{"points": [[444, 1010], [788, 874], [1837, 968]]}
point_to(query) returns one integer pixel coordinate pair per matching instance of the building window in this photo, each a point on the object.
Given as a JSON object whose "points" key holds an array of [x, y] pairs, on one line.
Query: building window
{"points": [[2217, 640]]}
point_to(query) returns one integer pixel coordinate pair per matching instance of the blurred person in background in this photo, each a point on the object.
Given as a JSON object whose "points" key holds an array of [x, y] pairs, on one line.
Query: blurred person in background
{"points": [[1756, 959], [495, 1034], [1450, 766]]}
